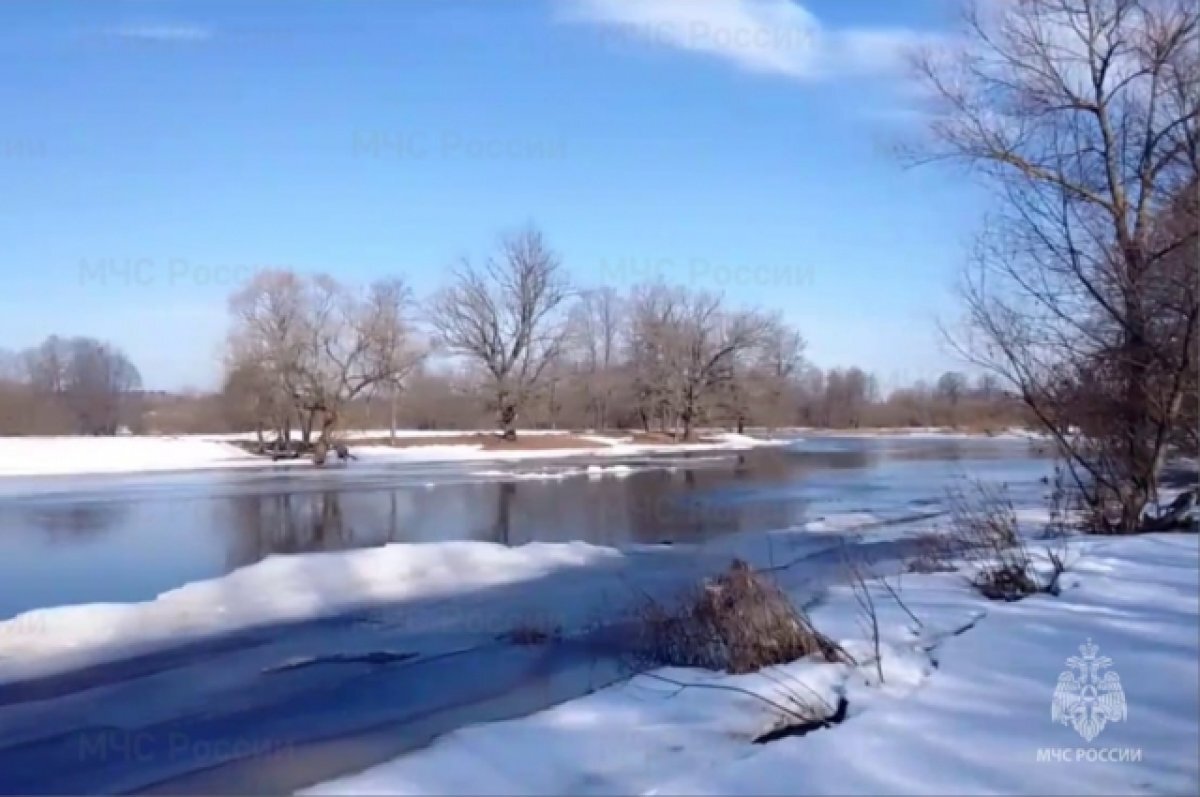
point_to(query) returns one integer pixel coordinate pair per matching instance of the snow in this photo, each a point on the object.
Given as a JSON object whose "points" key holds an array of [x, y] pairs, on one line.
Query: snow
{"points": [[591, 471], [612, 448], [842, 522], [47, 456], [365, 434], [60, 456], [277, 589], [964, 706]]}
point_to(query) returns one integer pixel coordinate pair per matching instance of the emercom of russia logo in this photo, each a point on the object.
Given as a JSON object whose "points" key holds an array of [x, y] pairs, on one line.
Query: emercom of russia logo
{"points": [[1087, 698]]}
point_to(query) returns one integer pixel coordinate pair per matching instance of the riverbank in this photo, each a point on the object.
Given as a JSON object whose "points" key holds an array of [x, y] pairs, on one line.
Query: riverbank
{"points": [[69, 456], [960, 703], [305, 668]]}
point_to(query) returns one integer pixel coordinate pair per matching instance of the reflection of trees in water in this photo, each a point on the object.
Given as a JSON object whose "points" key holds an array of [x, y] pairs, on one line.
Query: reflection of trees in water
{"points": [[502, 530], [304, 522], [287, 523], [760, 490], [848, 459], [682, 504], [685, 503], [71, 521]]}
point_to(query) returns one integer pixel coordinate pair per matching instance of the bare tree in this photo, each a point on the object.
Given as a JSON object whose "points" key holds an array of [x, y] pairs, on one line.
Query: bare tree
{"points": [[686, 346], [951, 387], [777, 364], [268, 340], [847, 395], [317, 345], [1084, 116], [596, 338], [93, 382], [506, 317], [653, 347], [249, 400], [395, 354]]}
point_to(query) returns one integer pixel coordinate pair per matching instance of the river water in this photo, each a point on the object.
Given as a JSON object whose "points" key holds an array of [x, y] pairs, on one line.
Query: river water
{"points": [[128, 538]]}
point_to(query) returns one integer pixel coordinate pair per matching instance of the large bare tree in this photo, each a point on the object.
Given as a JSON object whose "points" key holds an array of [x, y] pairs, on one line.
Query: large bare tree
{"points": [[1084, 118], [686, 346], [320, 345], [267, 347], [506, 316]]}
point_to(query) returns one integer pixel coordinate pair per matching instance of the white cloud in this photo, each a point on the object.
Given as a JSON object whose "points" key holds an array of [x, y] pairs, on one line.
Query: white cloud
{"points": [[184, 33], [770, 36]]}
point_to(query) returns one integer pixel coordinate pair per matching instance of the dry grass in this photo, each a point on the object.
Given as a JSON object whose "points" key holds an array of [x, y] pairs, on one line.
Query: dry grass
{"points": [[935, 554], [984, 527], [528, 634], [738, 622]]}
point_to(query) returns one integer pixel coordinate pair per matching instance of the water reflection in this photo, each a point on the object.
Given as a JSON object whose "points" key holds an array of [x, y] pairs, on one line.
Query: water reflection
{"points": [[154, 533], [69, 522]]}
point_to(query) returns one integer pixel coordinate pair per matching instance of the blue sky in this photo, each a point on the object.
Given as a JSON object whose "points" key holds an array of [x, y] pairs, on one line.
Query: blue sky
{"points": [[155, 152]]}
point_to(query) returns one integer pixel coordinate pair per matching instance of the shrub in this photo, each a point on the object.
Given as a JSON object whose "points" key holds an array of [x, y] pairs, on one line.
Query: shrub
{"points": [[983, 525], [935, 554], [531, 634], [740, 622]]}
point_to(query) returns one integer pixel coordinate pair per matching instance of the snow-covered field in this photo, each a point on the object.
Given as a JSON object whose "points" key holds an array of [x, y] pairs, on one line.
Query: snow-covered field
{"points": [[964, 706], [60, 456]]}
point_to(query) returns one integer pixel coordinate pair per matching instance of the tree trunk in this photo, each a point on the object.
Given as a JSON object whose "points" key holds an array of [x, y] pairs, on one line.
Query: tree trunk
{"points": [[508, 419], [325, 441], [392, 420], [306, 425]]}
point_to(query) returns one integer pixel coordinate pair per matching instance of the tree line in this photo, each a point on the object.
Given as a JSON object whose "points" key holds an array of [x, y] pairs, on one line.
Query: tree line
{"points": [[507, 342], [512, 339], [74, 385]]}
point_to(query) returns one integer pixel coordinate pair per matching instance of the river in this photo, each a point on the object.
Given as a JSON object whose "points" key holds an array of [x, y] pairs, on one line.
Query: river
{"points": [[271, 709], [84, 539]]}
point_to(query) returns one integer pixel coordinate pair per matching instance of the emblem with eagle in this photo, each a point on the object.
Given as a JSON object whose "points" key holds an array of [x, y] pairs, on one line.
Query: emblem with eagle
{"points": [[1087, 698]]}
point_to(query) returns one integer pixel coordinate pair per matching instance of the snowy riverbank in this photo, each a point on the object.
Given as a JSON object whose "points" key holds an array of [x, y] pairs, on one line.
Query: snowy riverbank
{"points": [[280, 675], [279, 589], [67, 456], [964, 706]]}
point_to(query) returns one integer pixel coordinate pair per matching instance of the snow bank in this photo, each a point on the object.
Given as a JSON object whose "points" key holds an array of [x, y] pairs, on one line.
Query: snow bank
{"points": [[468, 453], [964, 706], [39, 456], [277, 589], [363, 434], [60, 456], [839, 523]]}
